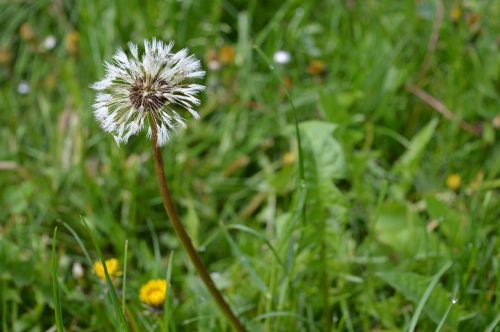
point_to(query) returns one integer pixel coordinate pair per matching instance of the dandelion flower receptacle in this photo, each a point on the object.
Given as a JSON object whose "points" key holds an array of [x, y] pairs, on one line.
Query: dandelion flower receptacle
{"points": [[151, 90]]}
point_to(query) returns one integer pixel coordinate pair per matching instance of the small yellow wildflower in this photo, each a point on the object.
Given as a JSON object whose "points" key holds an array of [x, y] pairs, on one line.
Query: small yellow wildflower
{"points": [[453, 181], [72, 43], [26, 32], [288, 158], [154, 292], [111, 265], [316, 68], [5, 56], [455, 14], [226, 55]]}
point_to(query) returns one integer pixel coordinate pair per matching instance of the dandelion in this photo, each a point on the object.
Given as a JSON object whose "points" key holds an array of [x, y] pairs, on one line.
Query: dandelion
{"points": [[282, 57], [154, 293], [150, 90], [147, 90], [453, 181], [112, 267]]}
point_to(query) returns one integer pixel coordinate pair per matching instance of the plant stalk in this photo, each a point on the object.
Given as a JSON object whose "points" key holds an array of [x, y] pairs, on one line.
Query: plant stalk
{"points": [[186, 240]]}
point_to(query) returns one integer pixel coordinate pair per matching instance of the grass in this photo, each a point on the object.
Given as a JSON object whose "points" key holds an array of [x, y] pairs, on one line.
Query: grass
{"points": [[357, 241]]}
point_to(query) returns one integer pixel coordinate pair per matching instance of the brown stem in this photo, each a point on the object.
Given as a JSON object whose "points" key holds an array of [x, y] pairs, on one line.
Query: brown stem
{"points": [[184, 237], [442, 109]]}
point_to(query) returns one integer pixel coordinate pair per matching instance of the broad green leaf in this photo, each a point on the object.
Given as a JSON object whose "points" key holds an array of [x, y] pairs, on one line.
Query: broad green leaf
{"points": [[401, 229], [413, 287], [324, 162], [408, 164], [451, 222]]}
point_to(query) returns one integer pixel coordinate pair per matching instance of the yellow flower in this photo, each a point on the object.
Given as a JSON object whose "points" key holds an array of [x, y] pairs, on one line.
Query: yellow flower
{"points": [[453, 181], [316, 68], [226, 55], [154, 292], [26, 32], [288, 158], [72, 42], [455, 14], [111, 265]]}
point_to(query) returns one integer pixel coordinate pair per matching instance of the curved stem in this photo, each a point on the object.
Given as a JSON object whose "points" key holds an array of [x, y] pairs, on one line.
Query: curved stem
{"points": [[185, 240]]}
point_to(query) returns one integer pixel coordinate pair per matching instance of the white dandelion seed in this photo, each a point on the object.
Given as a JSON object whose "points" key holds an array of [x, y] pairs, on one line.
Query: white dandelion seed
{"points": [[148, 90]]}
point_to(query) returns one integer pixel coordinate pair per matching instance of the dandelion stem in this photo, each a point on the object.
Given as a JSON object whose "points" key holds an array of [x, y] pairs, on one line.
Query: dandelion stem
{"points": [[184, 237]]}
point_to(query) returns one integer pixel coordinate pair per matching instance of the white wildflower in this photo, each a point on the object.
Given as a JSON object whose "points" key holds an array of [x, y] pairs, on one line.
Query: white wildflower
{"points": [[282, 57], [77, 270], [23, 88], [147, 90], [49, 42]]}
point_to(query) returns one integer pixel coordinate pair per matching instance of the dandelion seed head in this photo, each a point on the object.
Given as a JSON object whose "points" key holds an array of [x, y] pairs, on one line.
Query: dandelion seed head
{"points": [[151, 90]]}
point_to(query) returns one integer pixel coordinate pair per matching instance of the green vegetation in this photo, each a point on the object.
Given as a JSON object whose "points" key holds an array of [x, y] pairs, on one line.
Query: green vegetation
{"points": [[358, 232]]}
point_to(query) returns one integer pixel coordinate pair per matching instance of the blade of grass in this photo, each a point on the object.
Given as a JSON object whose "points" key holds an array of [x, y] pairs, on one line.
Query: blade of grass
{"points": [[55, 286], [443, 320], [448, 310], [124, 283], [426, 295], [235, 250], [166, 308], [302, 192], [260, 236], [122, 323], [292, 105], [4, 306], [78, 240], [494, 323]]}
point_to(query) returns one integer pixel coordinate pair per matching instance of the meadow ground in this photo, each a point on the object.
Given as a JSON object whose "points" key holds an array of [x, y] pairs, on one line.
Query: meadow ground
{"points": [[384, 218]]}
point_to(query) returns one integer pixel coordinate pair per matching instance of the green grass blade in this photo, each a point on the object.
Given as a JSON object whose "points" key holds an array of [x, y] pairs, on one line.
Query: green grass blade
{"points": [[494, 323], [443, 320], [124, 283], [425, 296], [122, 323], [260, 236], [292, 106], [166, 307], [55, 286], [79, 241]]}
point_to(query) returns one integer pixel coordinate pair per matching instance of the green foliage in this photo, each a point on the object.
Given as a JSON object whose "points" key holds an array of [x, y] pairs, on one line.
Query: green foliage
{"points": [[414, 287]]}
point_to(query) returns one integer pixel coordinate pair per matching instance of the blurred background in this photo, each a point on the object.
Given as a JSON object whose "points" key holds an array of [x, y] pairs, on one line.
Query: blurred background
{"points": [[395, 191]]}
